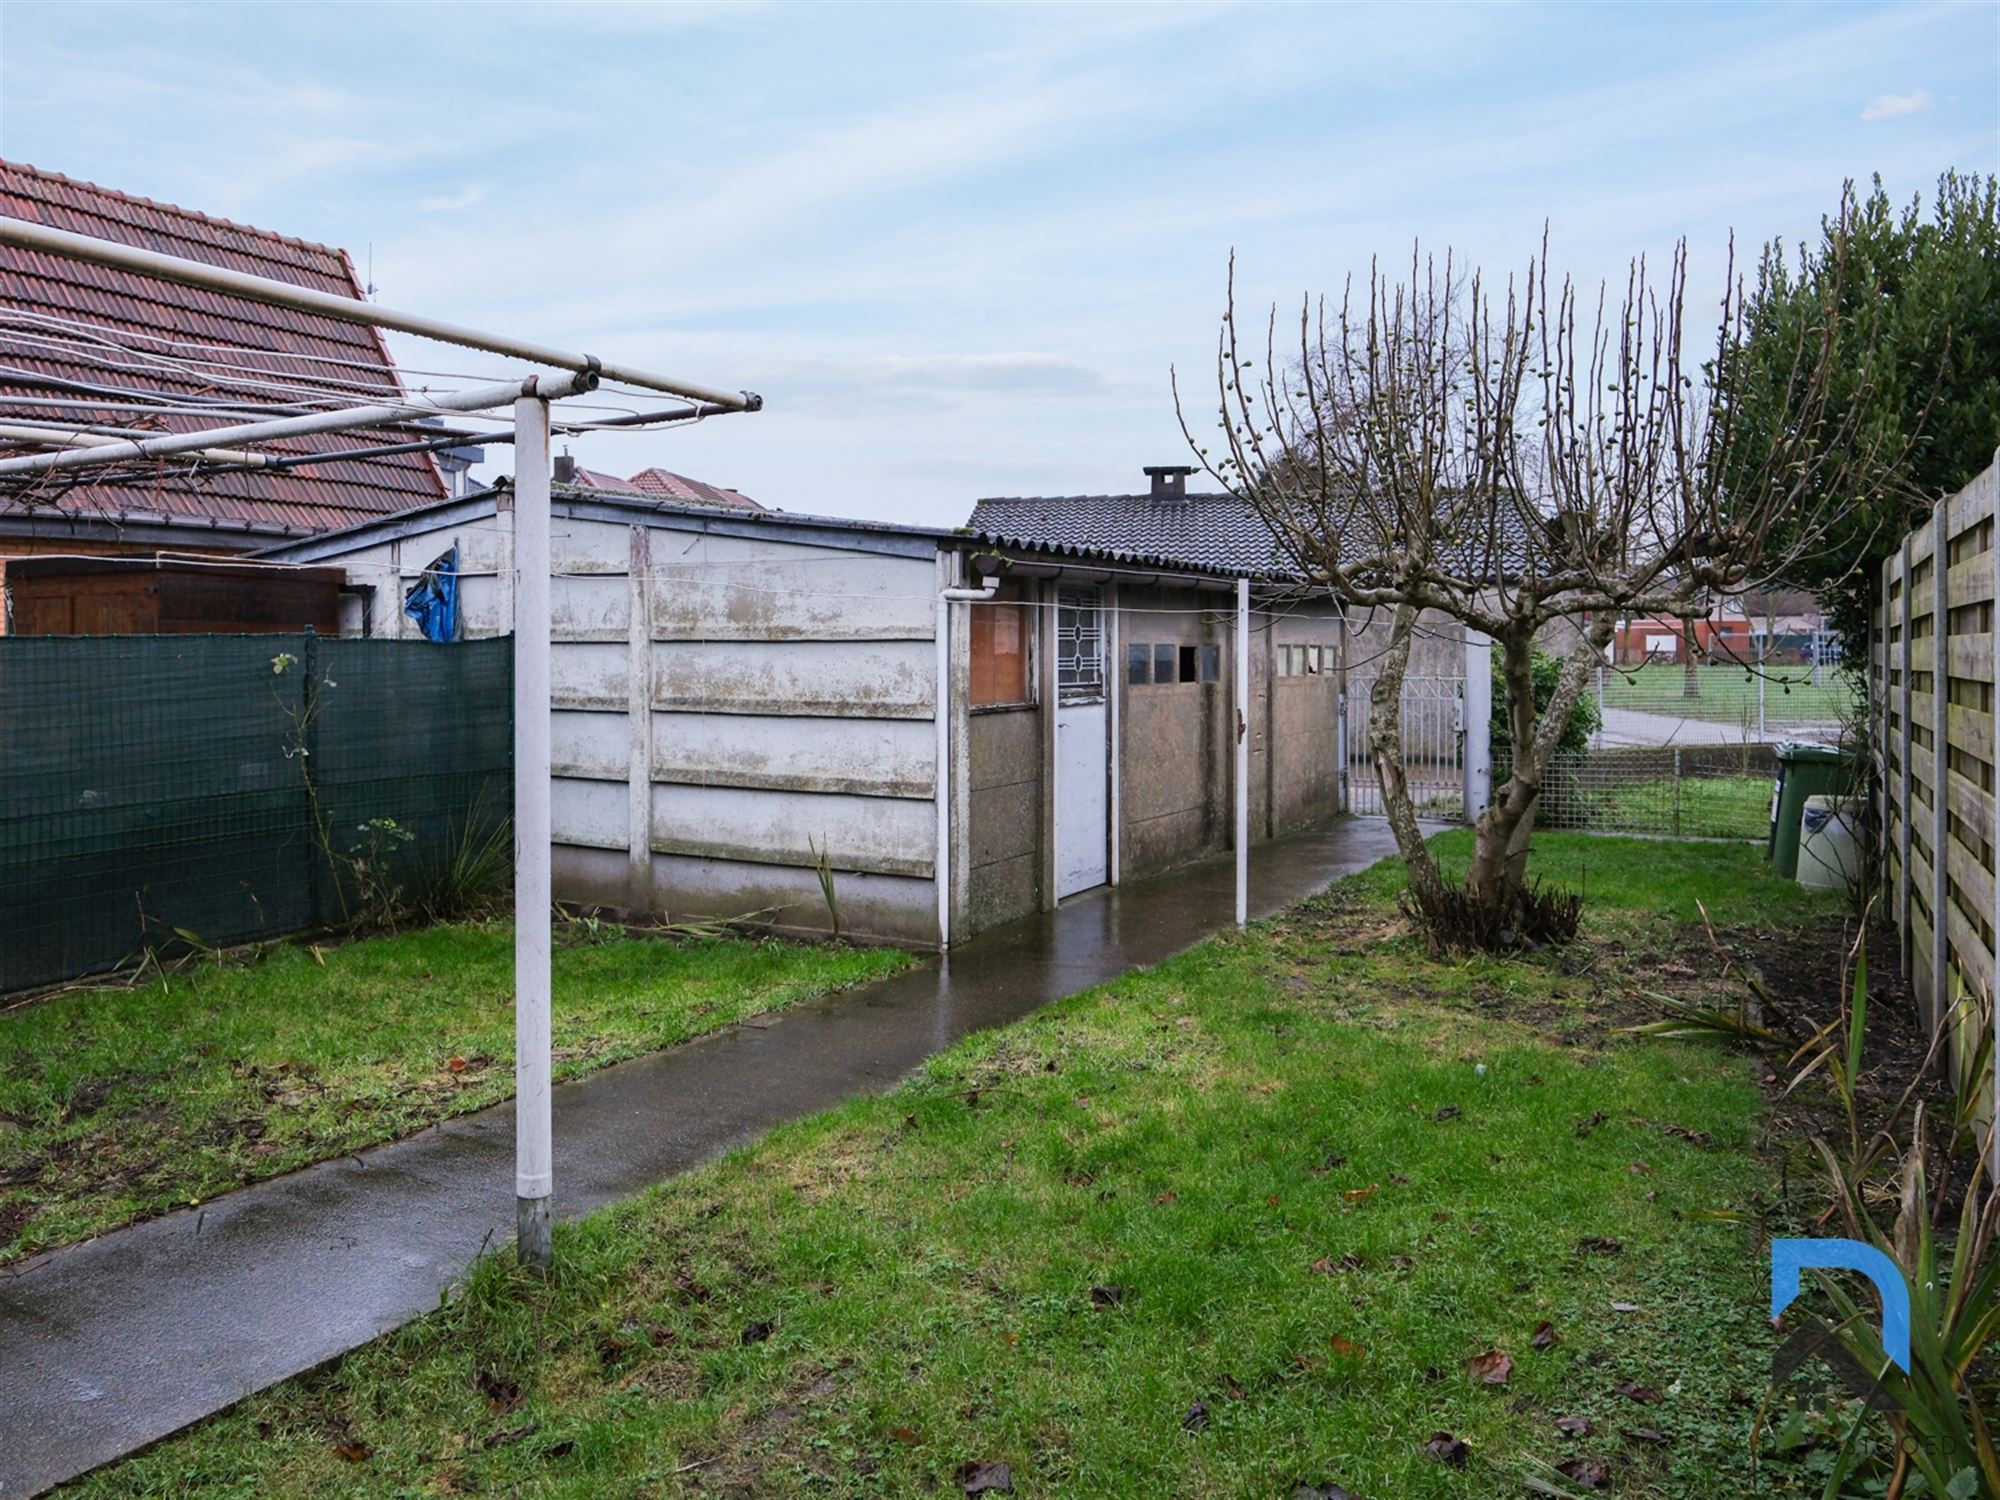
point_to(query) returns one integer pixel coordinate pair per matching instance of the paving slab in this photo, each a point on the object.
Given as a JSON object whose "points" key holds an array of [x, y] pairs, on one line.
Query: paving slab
{"points": [[111, 1345]]}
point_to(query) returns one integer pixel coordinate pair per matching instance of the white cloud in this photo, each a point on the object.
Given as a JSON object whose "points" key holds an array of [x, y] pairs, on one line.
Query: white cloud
{"points": [[453, 202], [1890, 106]]}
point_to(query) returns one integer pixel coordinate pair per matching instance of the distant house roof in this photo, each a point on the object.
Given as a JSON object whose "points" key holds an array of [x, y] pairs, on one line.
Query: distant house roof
{"points": [[663, 484], [164, 338], [1211, 533]]}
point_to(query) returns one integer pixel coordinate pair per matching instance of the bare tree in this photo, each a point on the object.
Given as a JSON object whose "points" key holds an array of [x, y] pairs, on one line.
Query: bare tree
{"points": [[1511, 460]]}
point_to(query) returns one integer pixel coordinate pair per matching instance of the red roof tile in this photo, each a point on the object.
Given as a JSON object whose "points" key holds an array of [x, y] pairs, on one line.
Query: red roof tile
{"points": [[671, 486], [295, 346]]}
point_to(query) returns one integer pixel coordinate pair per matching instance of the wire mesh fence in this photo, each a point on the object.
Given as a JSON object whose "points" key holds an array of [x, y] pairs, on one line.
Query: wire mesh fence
{"points": [[1699, 792], [219, 789]]}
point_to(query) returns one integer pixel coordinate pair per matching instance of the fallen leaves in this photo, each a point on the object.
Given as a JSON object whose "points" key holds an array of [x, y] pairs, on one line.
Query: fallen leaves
{"points": [[1591, 1473], [1106, 1296], [1362, 1195], [1196, 1419], [758, 1332], [1645, 1395], [977, 1478], [1545, 1336], [1574, 1426], [1494, 1367], [1599, 1244], [1447, 1449]]}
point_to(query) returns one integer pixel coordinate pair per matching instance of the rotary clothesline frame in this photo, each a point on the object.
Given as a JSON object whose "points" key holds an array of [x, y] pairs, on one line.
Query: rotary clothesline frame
{"points": [[557, 374]]}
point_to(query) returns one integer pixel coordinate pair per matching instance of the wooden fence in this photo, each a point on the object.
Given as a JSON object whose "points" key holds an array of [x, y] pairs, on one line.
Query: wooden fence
{"points": [[1932, 718]]}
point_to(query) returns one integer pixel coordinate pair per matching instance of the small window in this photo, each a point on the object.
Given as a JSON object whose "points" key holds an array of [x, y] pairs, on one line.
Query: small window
{"points": [[1163, 664], [1284, 661], [1190, 663], [1312, 661], [1211, 663], [1139, 664], [1001, 635]]}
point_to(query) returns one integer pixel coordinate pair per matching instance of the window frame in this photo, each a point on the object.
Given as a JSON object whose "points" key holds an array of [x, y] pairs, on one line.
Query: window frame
{"points": [[1013, 594]]}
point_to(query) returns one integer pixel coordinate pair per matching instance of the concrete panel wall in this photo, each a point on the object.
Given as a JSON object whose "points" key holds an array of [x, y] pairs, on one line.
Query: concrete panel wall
{"points": [[1301, 713], [722, 705], [1176, 760], [1005, 819]]}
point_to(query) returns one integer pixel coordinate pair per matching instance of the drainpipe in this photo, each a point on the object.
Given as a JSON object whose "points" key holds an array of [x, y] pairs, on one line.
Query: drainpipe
{"points": [[941, 864], [1242, 752]]}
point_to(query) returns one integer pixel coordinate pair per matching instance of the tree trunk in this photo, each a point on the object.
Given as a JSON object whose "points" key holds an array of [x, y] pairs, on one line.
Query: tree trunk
{"points": [[1691, 677], [1385, 735], [1499, 870]]}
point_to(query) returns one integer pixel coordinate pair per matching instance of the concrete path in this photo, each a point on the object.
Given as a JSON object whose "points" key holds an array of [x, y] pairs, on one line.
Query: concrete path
{"points": [[1629, 726], [113, 1344]]}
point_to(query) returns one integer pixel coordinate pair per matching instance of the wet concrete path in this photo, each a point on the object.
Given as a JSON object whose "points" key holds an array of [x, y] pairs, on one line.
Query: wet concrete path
{"points": [[113, 1344]]}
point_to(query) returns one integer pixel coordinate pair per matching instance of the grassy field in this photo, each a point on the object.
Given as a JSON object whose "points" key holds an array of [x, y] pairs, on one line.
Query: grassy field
{"points": [[119, 1103], [1728, 695], [1300, 1208]]}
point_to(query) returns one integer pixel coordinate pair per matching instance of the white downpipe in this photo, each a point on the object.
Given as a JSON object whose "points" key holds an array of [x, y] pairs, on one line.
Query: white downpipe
{"points": [[941, 863], [941, 868], [27, 236], [534, 1139], [1114, 692], [540, 387], [1242, 752]]}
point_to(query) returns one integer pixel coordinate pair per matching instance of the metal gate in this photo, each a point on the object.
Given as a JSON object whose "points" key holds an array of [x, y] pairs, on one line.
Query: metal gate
{"points": [[1433, 746]]}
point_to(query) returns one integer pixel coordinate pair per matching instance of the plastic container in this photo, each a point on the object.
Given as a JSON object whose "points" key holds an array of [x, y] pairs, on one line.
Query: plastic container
{"points": [[1804, 771], [1830, 843]]}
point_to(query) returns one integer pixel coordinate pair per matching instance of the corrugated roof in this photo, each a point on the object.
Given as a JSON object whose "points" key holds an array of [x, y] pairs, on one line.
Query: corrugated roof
{"points": [[664, 484], [292, 344]]}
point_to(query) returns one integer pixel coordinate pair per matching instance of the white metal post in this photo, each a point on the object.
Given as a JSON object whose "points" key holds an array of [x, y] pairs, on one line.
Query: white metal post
{"points": [[534, 1135], [1477, 757], [941, 786], [1242, 752]]}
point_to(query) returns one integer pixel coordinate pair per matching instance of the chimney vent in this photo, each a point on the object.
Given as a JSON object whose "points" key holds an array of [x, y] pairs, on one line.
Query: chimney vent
{"points": [[565, 469], [1169, 483]]}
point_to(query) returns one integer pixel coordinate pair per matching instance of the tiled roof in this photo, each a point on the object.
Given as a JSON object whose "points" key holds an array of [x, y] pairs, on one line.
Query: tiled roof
{"points": [[669, 486], [1218, 533], [293, 344]]}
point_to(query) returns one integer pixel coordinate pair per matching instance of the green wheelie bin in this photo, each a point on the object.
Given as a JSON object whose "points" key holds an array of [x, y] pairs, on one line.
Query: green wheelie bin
{"points": [[1804, 771]]}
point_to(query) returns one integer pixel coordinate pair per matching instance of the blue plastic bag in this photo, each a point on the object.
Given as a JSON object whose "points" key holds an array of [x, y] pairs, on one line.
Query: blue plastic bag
{"points": [[433, 602]]}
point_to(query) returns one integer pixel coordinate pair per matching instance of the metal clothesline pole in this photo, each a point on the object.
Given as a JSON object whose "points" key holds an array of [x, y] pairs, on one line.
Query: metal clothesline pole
{"points": [[1242, 676], [166, 445], [24, 235], [534, 1129]]}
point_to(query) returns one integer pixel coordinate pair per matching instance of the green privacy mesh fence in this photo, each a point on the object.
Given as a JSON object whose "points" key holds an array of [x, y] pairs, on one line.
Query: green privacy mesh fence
{"points": [[155, 787]]}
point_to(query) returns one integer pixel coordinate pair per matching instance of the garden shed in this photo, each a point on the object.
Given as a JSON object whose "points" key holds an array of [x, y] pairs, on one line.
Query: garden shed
{"points": [[962, 727]]}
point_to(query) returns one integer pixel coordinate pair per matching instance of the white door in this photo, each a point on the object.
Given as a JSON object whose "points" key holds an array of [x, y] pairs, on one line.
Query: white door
{"points": [[1083, 743]]}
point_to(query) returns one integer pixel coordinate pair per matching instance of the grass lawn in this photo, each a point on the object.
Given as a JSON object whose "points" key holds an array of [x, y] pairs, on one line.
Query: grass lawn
{"points": [[1729, 694], [119, 1103], [1705, 807], [1256, 1219]]}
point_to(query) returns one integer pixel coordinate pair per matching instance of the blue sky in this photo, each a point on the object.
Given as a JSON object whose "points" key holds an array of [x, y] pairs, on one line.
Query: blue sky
{"points": [[959, 249]]}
